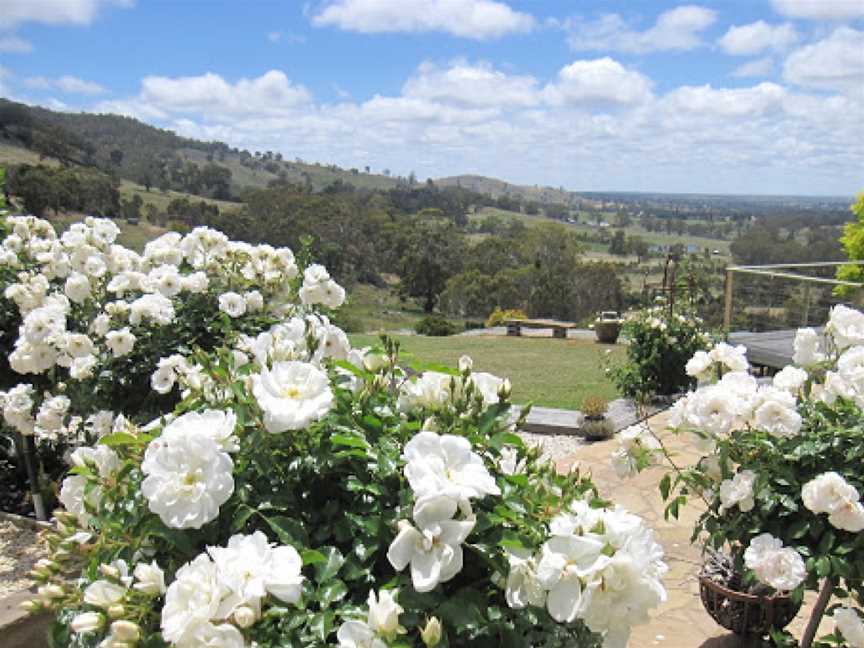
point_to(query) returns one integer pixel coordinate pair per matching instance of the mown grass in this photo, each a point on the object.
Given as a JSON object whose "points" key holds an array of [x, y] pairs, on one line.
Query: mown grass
{"points": [[545, 371]]}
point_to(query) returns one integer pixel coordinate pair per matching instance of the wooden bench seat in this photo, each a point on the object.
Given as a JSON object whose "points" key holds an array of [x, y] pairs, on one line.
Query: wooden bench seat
{"points": [[559, 329]]}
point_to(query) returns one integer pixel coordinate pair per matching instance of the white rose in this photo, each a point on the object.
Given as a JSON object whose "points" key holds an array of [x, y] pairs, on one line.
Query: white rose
{"points": [[232, 304], [699, 365], [356, 634], [434, 547], [87, 622], [120, 342], [104, 594], [292, 395], [254, 301], [445, 464], [807, 348], [430, 390], [781, 568], [738, 491], [384, 614], [733, 358], [846, 326], [77, 287], [192, 600], [849, 624], [791, 379], [188, 477]]}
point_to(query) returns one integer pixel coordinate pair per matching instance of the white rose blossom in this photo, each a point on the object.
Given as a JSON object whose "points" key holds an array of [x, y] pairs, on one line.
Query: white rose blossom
{"points": [[830, 493], [187, 475], [780, 567], [434, 547], [292, 395], [232, 304], [848, 622], [738, 491]]}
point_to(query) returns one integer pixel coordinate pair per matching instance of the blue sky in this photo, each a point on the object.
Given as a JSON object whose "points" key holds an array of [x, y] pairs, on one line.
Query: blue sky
{"points": [[735, 96]]}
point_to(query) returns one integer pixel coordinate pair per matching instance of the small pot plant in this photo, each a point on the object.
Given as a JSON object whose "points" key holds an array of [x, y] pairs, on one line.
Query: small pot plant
{"points": [[595, 426]]}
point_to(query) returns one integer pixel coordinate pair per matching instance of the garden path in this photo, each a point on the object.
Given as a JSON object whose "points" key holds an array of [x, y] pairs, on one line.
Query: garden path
{"points": [[682, 621]]}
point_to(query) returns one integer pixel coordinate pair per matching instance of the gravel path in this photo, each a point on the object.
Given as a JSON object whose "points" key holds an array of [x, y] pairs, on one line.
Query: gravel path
{"points": [[553, 446], [19, 551]]}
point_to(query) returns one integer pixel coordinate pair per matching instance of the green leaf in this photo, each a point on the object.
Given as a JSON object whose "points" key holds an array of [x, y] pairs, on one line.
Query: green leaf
{"points": [[121, 439], [327, 570], [241, 516], [333, 590], [823, 566], [288, 530], [349, 441], [312, 557], [665, 486]]}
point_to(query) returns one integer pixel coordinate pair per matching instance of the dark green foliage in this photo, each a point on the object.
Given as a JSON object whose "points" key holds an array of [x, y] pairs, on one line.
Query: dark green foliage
{"points": [[435, 325], [65, 189]]}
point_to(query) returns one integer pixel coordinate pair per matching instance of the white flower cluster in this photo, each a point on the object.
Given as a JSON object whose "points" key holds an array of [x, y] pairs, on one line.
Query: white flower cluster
{"points": [[124, 294], [75, 495], [830, 493], [722, 358], [602, 566], [780, 567], [433, 390], [381, 625], [734, 402], [444, 475], [223, 591], [110, 594], [319, 288]]}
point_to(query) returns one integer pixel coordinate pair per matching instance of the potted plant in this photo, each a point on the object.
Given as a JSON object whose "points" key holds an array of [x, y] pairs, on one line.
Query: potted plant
{"points": [[781, 483], [607, 327], [595, 426]]}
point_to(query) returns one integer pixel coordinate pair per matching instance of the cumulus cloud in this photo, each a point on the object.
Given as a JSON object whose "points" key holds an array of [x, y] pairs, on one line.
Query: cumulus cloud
{"points": [[470, 85], [477, 19], [270, 93], [598, 81], [61, 12], [676, 29], [820, 9], [14, 44], [67, 83], [758, 68], [757, 37], [595, 124], [834, 63]]}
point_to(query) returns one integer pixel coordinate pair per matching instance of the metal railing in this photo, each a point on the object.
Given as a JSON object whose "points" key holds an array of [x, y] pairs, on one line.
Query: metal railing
{"points": [[779, 296]]}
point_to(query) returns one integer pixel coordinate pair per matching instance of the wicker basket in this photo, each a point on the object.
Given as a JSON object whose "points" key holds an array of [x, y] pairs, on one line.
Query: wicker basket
{"points": [[746, 614]]}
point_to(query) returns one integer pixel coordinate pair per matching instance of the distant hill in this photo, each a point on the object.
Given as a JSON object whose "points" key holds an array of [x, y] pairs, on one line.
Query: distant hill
{"points": [[154, 157], [497, 188]]}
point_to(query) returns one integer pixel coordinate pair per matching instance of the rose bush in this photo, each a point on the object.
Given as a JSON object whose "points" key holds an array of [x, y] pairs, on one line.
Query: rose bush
{"points": [[304, 493], [660, 342], [85, 320], [781, 473]]}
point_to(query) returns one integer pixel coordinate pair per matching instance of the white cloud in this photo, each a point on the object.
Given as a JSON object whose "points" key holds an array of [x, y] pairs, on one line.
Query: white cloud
{"points": [[820, 9], [596, 124], [274, 36], [599, 81], [67, 83], [725, 102], [676, 29], [54, 12], [759, 68], [462, 83], [757, 37], [14, 44], [271, 93], [478, 19], [835, 63]]}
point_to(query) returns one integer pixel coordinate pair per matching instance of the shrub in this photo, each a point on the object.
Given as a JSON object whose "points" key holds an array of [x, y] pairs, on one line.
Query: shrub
{"points": [[312, 495], [661, 341], [435, 325], [780, 474], [498, 316], [93, 325]]}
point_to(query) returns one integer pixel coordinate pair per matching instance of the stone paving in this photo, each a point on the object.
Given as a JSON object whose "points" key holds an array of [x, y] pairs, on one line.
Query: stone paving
{"points": [[682, 621]]}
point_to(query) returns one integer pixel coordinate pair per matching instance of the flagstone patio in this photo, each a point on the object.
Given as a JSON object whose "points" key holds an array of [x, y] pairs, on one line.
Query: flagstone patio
{"points": [[681, 622]]}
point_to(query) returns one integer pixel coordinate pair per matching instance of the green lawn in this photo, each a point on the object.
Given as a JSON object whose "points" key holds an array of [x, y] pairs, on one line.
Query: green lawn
{"points": [[545, 371]]}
